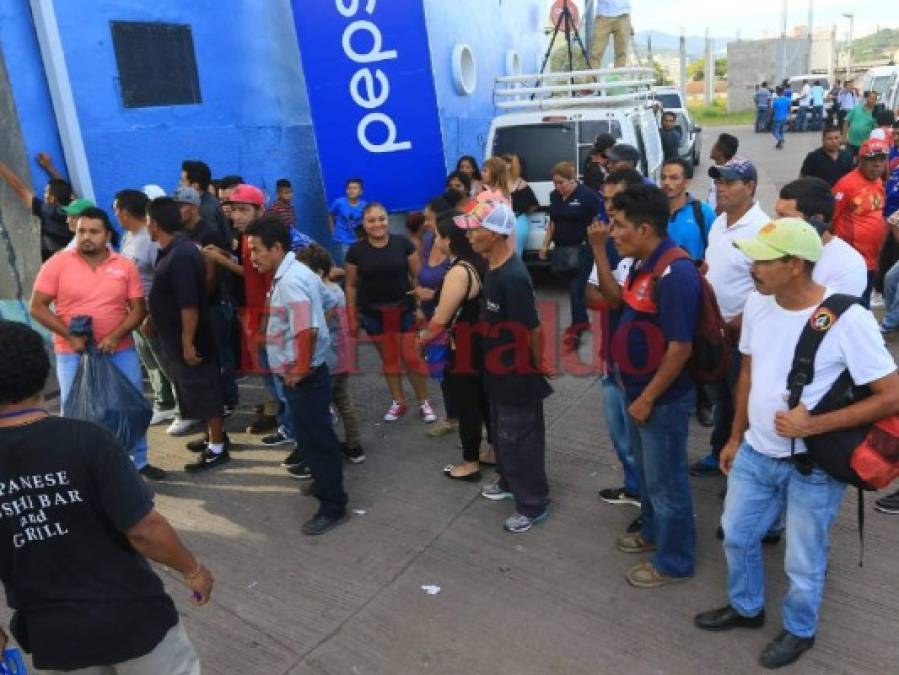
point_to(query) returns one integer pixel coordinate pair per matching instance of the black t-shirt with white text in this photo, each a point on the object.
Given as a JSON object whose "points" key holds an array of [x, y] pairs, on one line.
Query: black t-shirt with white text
{"points": [[510, 312], [83, 595]]}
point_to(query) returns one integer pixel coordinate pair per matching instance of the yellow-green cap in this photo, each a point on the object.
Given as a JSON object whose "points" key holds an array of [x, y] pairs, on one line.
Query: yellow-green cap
{"points": [[781, 238]]}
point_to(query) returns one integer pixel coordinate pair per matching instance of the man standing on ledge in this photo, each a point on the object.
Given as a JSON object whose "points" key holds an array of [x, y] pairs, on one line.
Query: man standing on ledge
{"points": [[85, 598], [613, 18]]}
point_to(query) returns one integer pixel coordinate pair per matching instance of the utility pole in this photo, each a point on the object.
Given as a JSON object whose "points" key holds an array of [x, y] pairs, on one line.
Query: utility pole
{"points": [[851, 17], [811, 30], [782, 47], [709, 70], [683, 64], [832, 57]]}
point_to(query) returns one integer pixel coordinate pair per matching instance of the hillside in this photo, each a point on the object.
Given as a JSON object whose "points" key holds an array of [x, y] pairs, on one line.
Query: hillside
{"points": [[875, 46]]}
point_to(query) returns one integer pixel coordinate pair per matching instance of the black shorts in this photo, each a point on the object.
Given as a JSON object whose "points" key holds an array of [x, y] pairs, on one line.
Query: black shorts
{"points": [[200, 389]]}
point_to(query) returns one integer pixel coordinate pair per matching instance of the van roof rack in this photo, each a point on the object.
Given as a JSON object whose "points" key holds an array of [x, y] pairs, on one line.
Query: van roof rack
{"points": [[575, 88]]}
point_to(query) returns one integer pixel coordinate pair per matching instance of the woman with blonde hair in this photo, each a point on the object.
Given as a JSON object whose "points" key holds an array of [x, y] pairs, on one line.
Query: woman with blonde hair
{"points": [[524, 201]]}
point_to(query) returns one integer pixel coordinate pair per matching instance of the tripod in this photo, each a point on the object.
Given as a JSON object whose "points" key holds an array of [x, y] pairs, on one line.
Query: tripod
{"points": [[566, 19]]}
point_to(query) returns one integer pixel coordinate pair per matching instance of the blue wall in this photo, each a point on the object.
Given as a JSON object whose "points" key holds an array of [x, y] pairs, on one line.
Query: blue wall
{"points": [[253, 120], [29, 85], [491, 28]]}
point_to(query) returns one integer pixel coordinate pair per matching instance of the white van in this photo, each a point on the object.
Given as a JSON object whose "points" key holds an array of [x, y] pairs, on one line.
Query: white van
{"points": [[559, 118], [880, 79]]}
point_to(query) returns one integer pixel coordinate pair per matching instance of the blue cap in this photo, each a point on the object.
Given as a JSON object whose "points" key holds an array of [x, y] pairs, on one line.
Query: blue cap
{"points": [[739, 168]]}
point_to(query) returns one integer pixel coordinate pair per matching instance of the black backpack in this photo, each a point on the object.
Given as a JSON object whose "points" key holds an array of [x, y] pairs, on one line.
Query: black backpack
{"points": [[838, 452]]}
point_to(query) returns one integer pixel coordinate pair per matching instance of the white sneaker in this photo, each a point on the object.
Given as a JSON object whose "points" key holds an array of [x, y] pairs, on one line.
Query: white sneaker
{"points": [[426, 412], [395, 411], [160, 416], [180, 427]]}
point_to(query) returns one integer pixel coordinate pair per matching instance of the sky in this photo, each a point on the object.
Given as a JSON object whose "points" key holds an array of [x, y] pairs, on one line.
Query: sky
{"points": [[753, 18]]}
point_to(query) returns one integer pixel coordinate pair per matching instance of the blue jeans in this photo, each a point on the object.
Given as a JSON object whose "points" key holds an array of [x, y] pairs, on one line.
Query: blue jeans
{"points": [[777, 130], [757, 489], [817, 122], [222, 315], [577, 287], [802, 119], [128, 363], [891, 297], [309, 409], [761, 119], [522, 228], [614, 408], [276, 389], [660, 451]]}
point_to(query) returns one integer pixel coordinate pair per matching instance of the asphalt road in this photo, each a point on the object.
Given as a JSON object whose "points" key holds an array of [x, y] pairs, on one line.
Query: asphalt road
{"points": [[551, 601]]}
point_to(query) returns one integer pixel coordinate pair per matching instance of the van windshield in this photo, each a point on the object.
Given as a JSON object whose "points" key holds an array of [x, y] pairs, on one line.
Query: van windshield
{"points": [[881, 84], [541, 146]]}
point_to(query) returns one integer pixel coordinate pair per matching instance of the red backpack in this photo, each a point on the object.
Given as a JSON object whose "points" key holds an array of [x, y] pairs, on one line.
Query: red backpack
{"points": [[711, 354]]}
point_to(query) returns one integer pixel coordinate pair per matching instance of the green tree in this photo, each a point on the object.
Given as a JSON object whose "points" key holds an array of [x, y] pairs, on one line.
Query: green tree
{"points": [[696, 69], [660, 74]]}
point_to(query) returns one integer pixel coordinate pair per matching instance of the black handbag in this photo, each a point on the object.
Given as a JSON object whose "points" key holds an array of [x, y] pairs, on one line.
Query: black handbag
{"points": [[564, 259]]}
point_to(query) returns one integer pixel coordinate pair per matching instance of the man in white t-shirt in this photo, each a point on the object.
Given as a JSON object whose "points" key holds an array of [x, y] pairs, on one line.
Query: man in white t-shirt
{"points": [[805, 102], [729, 274], [841, 268], [762, 473]]}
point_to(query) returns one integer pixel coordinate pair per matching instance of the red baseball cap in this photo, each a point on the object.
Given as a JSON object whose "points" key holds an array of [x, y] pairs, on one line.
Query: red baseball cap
{"points": [[873, 147], [246, 194]]}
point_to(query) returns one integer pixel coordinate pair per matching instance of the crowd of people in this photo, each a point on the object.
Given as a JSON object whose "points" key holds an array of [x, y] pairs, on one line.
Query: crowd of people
{"points": [[209, 284]]}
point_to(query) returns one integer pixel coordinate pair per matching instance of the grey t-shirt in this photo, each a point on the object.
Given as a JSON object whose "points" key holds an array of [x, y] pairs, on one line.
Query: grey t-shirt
{"points": [[143, 251]]}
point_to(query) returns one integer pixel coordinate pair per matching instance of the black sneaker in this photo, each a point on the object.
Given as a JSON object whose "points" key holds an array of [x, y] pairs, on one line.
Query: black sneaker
{"points": [[151, 472], [276, 439], [295, 458], [636, 525], [228, 411], [354, 455], [198, 444], [300, 472], [321, 523], [261, 424], [208, 460], [888, 504], [619, 496]]}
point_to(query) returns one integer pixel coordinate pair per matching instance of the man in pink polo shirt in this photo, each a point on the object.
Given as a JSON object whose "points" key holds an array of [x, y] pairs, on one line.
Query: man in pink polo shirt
{"points": [[93, 280]]}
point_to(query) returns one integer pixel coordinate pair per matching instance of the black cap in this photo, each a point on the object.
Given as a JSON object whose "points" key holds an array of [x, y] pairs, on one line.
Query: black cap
{"points": [[622, 152]]}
